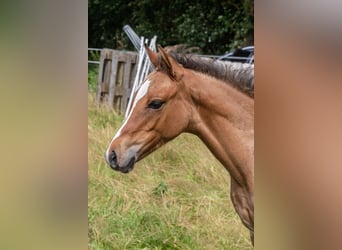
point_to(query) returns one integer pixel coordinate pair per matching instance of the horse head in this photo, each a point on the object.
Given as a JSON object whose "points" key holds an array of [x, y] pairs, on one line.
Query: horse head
{"points": [[158, 114]]}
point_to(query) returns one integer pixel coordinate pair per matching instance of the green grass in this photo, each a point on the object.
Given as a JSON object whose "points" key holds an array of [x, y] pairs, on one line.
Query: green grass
{"points": [[176, 198], [92, 77]]}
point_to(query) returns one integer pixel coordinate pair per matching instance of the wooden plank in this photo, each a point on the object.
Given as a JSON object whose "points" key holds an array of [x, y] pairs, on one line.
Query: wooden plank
{"points": [[118, 87], [133, 58], [132, 76], [122, 56], [107, 72], [100, 77], [106, 75], [112, 81], [108, 54], [126, 81]]}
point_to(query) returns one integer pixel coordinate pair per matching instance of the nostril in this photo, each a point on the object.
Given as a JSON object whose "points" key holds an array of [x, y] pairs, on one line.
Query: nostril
{"points": [[113, 158]]}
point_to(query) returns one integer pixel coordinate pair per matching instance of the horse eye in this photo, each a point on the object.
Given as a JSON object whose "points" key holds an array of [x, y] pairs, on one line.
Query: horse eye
{"points": [[155, 104]]}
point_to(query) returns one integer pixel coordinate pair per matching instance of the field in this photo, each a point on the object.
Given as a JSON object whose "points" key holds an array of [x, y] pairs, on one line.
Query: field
{"points": [[176, 198]]}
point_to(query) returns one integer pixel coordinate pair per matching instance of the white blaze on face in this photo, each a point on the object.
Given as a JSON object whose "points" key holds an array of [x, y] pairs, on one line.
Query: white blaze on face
{"points": [[141, 93]]}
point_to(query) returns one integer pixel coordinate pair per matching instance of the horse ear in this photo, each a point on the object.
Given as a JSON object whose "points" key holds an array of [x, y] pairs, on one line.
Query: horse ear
{"points": [[173, 69], [153, 56]]}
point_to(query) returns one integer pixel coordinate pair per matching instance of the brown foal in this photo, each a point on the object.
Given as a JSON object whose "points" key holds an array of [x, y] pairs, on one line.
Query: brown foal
{"points": [[177, 98]]}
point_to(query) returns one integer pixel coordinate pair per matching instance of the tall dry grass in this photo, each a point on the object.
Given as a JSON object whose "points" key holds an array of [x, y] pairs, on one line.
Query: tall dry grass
{"points": [[176, 198]]}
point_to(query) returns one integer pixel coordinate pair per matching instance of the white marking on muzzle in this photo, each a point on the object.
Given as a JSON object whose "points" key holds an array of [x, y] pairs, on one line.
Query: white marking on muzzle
{"points": [[141, 93]]}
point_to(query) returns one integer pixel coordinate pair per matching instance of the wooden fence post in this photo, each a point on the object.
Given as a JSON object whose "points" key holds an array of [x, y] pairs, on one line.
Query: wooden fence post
{"points": [[100, 77], [117, 71], [113, 77]]}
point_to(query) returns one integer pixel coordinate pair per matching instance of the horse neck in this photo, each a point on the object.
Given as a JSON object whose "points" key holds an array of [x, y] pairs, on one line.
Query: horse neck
{"points": [[223, 118]]}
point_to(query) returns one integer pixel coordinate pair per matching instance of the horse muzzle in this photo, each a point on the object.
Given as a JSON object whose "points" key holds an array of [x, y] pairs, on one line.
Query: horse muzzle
{"points": [[126, 167]]}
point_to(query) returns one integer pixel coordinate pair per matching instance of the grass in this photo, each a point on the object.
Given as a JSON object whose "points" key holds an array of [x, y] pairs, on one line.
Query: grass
{"points": [[176, 198], [92, 77]]}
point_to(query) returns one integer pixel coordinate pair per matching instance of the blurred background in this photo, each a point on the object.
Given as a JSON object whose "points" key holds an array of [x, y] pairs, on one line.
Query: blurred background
{"points": [[215, 27], [43, 96]]}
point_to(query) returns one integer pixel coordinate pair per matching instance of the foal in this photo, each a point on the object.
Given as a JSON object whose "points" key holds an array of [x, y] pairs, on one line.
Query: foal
{"points": [[175, 99]]}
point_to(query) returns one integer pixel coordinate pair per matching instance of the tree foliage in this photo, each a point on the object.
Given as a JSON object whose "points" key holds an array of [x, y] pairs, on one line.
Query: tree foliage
{"points": [[214, 26]]}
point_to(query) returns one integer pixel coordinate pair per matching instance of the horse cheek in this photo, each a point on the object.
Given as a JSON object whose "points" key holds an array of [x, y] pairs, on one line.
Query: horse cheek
{"points": [[176, 126]]}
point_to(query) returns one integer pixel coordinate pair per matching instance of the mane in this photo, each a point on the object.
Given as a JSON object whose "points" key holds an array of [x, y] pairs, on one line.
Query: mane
{"points": [[239, 75]]}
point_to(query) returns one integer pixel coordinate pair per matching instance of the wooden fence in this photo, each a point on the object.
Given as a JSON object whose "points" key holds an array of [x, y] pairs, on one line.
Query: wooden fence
{"points": [[117, 70]]}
